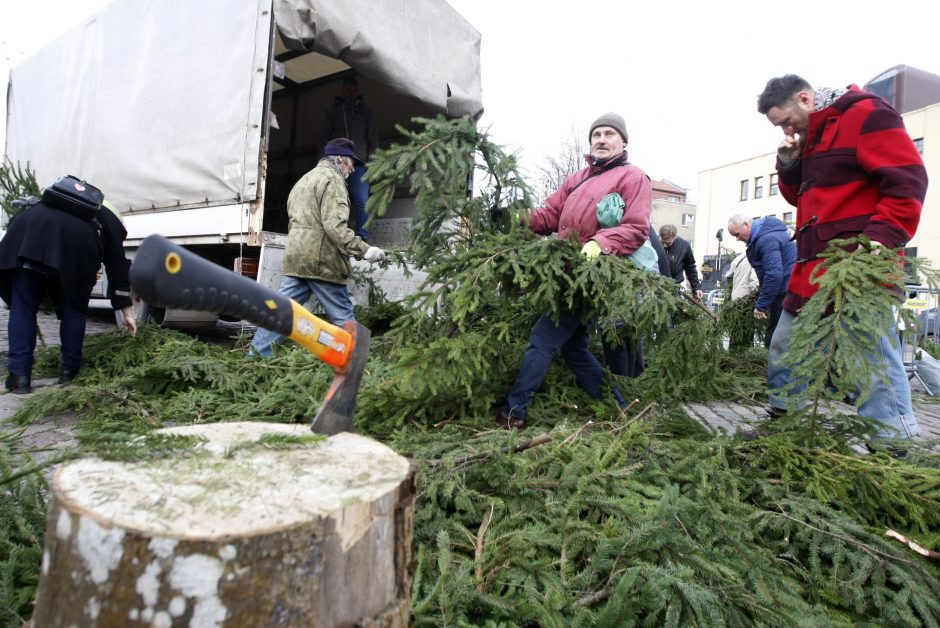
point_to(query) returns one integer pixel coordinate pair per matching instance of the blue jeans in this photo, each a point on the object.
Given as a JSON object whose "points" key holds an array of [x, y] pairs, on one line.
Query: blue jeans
{"points": [[27, 289], [571, 338], [359, 194], [333, 297], [890, 398]]}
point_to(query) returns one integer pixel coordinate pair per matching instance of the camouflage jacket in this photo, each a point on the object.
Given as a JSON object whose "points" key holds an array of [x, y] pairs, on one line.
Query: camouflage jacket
{"points": [[319, 243]]}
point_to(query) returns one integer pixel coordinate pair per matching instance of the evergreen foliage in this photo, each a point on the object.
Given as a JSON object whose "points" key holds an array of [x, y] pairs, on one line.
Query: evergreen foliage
{"points": [[16, 181], [22, 529], [738, 322], [438, 164], [838, 327], [593, 516]]}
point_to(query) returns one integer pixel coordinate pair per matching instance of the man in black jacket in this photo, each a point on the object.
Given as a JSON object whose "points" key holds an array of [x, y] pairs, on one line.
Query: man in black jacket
{"points": [[680, 257], [49, 251]]}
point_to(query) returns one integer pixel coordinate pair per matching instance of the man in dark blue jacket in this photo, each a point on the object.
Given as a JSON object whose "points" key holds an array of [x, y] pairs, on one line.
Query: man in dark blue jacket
{"points": [[772, 253]]}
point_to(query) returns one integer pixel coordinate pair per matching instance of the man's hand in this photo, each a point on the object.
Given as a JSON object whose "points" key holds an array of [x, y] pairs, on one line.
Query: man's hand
{"points": [[130, 325], [374, 255], [591, 250], [699, 294], [760, 314], [790, 148]]}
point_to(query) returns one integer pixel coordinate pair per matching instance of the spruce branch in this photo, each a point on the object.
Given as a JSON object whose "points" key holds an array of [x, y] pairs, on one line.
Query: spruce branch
{"points": [[852, 541]]}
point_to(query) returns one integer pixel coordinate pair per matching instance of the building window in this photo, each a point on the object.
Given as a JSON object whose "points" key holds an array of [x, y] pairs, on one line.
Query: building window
{"points": [[788, 218], [744, 189], [773, 184], [919, 144], [758, 187], [687, 219]]}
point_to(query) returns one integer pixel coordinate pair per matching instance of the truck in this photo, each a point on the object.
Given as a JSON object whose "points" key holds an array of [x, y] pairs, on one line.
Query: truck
{"points": [[197, 118]]}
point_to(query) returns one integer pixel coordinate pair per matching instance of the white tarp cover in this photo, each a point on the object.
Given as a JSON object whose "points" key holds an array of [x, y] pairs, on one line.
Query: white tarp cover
{"points": [[160, 102], [438, 61], [157, 102]]}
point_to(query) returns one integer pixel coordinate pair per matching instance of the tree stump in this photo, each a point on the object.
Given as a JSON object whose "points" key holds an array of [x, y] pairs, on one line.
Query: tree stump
{"points": [[313, 534]]}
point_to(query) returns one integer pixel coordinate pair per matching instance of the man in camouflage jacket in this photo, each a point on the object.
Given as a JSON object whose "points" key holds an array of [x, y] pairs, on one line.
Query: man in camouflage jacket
{"points": [[319, 242]]}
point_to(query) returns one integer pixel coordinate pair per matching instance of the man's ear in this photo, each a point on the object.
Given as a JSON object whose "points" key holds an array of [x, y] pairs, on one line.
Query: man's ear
{"points": [[806, 98]]}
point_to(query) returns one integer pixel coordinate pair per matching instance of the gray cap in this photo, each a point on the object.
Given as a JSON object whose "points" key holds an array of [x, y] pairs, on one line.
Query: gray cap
{"points": [[612, 120]]}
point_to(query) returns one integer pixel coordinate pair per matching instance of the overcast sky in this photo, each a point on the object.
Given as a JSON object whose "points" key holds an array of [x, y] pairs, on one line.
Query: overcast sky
{"points": [[684, 74]]}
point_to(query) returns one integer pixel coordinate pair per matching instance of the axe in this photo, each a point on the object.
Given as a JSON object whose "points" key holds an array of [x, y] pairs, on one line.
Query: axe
{"points": [[166, 275]]}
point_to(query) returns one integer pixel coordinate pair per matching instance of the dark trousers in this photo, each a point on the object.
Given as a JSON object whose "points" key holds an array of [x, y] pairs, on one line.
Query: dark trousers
{"points": [[625, 359], [773, 317], [28, 288], [569, 336], [359, 196]]}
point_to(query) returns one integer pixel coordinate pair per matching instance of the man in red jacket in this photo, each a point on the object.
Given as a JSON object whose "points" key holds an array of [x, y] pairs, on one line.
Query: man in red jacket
{"points": [[851, 169], [573, 208]]}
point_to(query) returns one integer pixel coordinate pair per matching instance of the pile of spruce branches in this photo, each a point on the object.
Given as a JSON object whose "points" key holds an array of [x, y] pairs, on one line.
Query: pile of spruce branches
{"points": [[595, 515]]}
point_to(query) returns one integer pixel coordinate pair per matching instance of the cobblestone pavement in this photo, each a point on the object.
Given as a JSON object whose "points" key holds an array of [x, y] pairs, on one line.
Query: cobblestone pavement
{"points": [[729, 417]]}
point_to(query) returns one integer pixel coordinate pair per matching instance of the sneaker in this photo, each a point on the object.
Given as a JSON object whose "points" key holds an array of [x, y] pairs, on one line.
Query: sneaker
{"points": [[776, 413], [510, 422], [19, 384]]}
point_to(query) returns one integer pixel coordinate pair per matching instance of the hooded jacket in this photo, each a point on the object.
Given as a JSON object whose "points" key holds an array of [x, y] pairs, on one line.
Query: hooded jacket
{"points": [[771, 254], [859, 173], [319, 242], [743, 278], [573, 207]]}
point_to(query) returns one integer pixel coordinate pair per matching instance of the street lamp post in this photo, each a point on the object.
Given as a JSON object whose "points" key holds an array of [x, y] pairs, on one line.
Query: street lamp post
{"points": [[719, 236]]}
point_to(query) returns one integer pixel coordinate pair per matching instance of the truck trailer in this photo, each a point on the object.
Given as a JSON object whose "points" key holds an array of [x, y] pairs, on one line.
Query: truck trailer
{"points": [[197, 118]]}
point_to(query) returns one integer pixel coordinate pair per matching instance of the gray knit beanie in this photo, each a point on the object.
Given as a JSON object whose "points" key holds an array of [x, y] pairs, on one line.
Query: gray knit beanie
{"points": [[612, 120]]}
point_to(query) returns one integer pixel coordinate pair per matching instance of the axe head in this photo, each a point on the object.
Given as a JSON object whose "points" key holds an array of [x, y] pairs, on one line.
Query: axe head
{"points": [[339, 406]]}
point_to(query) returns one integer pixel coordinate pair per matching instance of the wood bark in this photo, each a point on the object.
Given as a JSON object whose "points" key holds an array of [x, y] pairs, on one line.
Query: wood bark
{"points": [[307, 535]]}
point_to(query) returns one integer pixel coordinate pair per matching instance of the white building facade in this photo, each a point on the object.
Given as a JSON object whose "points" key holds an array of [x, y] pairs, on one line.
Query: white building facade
{"points": [[749, 187]]}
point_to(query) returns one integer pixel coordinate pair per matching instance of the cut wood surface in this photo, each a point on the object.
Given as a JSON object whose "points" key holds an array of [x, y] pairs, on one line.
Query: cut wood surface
{"points": [[234, 534]]}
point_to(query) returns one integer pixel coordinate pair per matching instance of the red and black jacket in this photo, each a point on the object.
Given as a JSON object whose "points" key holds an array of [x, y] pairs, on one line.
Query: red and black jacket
{"points": [[860, 173]]}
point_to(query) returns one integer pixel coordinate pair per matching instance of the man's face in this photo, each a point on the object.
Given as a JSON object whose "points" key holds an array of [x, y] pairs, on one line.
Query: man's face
{"points": [[346, 166], [793, 116], [741, 233], [350, 90], [667, 241], [606, 142]]}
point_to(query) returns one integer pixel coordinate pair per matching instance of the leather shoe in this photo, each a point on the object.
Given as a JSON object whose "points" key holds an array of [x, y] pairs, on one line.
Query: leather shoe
{"points": [[19, 384], [510, 422], [65, 377], [776, 413]]}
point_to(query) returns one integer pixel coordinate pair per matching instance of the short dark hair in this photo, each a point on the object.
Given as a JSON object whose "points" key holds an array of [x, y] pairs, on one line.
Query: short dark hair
{"points": [[779, 90]]}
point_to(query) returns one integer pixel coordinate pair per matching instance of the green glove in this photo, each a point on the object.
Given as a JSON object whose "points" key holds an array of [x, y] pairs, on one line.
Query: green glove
{"points": [[591, 250], [610, 210]]}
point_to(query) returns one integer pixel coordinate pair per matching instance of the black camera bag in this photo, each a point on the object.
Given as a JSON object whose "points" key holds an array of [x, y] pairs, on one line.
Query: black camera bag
{"points": [[74, 196]]}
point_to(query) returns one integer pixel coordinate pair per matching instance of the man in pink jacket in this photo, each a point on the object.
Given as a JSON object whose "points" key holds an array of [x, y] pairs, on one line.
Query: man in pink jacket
{"points": [[573, 208]]}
